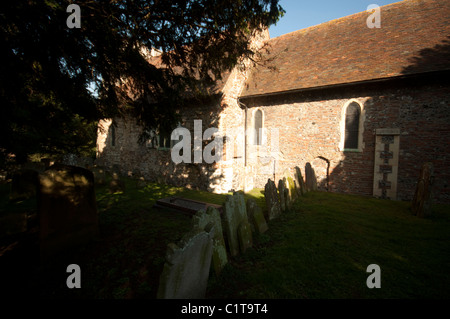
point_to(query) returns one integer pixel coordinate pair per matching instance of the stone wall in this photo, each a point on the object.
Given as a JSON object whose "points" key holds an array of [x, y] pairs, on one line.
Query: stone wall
{"points": [[310, 130]]}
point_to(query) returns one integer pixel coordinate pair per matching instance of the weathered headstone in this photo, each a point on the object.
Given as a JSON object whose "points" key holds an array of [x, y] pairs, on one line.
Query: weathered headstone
{"points": [[310, 176], [245, 236], [234, 213], [290, 186], [24, 184], [301, 187], [256, 216], [99, 176], [282, 191], [67, 208], [201, 219], [272, 200], [421, 203], [186, 271], [116, 184]]}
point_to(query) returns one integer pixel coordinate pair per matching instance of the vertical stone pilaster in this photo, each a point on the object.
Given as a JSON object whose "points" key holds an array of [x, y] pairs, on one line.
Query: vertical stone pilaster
{"points": [[387, 145]]}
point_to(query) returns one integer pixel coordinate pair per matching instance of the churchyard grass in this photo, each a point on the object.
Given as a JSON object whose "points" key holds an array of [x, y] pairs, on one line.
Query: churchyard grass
{"points": [[320, 248]]}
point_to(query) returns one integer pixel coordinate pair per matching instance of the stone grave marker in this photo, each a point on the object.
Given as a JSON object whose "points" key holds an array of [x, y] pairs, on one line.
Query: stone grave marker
{"points": [[421, 203], [256, 216], [272, 200], [301, 187], [245, 236], [201, 219], [186, 270], [234, 213], [310, 176], [291, 188], [116, 184], [67, 208], [99, 175], [282, 193]]}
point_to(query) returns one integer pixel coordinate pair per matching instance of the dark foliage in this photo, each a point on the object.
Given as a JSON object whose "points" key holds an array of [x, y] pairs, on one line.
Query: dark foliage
{"points": [[56, 81]]}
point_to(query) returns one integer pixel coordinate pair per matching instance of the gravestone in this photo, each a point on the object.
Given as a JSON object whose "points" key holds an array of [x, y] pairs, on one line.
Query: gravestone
{"points": [[67, 208], [201, 219], [256, 216], [234, 213], [24, 184], [310, 176], [186, 270], [272, 200], [245, 236], [99, 176], [282, 192], [116, 185], [291, 188], [421, 203], [301, 187]]}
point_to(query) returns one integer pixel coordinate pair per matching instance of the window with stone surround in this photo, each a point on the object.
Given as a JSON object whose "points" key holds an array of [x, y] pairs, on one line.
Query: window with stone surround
{"points": [[352, 115], [159, 140], [257, 127], [352, 126]]}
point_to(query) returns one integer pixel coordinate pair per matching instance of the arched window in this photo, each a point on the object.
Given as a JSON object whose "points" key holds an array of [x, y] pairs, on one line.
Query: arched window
{"points": [[258, 125], [352, 117]]}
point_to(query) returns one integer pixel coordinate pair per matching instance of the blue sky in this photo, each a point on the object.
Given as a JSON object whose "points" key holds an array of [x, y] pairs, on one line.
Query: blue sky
{"points": [[301, 14]]}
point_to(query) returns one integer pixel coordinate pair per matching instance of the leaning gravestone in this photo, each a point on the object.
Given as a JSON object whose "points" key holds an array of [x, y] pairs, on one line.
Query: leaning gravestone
{"points": [[421, 203], [245, 236], [272, 200], [282, 192], [201, 219], [234, 213], [67, 208], [186, 271], [24, 184], [310, 176], [256, 216], [290, 187], [301, 187]]}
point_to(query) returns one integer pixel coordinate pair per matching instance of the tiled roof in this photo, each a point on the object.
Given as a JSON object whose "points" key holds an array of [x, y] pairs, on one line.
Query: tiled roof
{"points": [[414, 37]]}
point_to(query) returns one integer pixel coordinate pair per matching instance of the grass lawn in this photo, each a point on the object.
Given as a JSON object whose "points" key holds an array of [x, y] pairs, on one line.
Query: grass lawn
{"points": [[322, 247], [319, 249]]}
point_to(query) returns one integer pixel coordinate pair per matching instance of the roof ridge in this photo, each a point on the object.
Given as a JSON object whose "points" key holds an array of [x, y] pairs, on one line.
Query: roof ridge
{"points": [[333, 20]]}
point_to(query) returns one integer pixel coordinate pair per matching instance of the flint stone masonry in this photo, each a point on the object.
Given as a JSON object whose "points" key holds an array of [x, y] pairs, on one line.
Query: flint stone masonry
{"points": [[412, 97], [272, 200], [67, 208], [421, 203], [186, 270], [201, 220], [234, 214], [256, 217]]}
